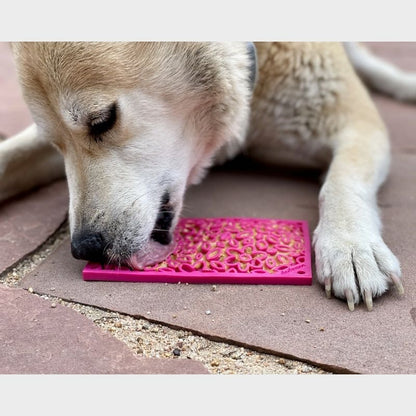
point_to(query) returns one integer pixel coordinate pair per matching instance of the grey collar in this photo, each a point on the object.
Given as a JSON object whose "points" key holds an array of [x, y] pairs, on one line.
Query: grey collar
{"points": [[251, 50]]}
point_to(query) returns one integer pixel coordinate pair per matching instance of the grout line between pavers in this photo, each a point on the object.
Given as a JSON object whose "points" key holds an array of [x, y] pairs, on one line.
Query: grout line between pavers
{"points": [[215, 363], [13, 274], [210, 349]]}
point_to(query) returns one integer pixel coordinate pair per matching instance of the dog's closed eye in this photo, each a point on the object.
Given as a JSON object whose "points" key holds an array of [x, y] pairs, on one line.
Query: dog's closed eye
{"points": [[103, 121]]}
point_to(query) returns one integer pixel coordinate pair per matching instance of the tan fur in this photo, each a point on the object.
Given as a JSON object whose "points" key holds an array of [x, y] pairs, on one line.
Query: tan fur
{"points": [[181, 105], [306, 94]]}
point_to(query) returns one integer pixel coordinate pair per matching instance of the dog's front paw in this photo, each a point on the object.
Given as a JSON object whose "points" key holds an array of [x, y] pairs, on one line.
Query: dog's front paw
{"points": [[354, 264]]}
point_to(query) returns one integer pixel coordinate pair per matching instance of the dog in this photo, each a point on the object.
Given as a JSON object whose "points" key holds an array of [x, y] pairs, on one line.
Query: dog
{"points": [[132, 124]]}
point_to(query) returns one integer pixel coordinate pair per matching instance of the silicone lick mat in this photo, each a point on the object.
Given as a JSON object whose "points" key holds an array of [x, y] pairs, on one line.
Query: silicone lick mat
{"points": [[226, 250]]}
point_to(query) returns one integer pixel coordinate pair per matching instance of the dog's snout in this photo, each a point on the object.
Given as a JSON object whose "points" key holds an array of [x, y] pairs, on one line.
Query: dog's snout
{"points": [[88, 246]]}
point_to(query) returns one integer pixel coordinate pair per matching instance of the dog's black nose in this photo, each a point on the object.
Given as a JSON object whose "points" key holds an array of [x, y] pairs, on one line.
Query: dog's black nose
{"points": [[88, 246]]}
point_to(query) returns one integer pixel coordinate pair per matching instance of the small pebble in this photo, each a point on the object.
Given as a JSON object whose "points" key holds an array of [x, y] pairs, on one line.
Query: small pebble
{"points": [[214, 288], [185, 307], [207, 312], [322, 329], [30, 289], [53, 305], [308, 321], [282, 361], [148, 312], [173, 316], [118, 325], [282, 314], [176, 352], [215, 363]]}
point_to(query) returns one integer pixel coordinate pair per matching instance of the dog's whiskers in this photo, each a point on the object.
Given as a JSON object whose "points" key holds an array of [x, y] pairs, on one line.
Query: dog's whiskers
{"points": [[148, 191]]}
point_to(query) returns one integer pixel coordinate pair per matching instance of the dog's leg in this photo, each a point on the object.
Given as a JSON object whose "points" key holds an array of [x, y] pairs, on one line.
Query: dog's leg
{"points": [[27, 161], [352, 259]]}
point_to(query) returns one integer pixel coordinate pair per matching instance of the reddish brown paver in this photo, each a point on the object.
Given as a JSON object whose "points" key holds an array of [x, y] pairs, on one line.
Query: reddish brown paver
{"points": [[38, 339], [14, 114], [402, 54], [397, 116], [28, 220], [382, 341]]}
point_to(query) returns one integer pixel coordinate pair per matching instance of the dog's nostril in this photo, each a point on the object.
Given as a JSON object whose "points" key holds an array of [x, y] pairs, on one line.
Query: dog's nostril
{"points": [[161, 231], [164, 220], [165, 199], [88, 246], [161, 236]]}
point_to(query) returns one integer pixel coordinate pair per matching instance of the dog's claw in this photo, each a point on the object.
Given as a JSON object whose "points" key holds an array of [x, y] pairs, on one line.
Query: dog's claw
{"points": [[350, 299], [328, 287], [368, 299], [397, 283]]}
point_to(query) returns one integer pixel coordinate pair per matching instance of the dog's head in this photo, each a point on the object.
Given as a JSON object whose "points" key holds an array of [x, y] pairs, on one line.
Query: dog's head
{"points": [[136, 123]]}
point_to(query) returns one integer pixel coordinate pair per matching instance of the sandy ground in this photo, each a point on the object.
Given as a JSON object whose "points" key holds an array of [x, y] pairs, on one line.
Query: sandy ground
{"points": [[149, 339]]}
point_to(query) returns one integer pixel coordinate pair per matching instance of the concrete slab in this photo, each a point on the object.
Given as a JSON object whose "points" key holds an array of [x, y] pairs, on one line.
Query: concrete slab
{"points": [[38, 339], [28, 220]]}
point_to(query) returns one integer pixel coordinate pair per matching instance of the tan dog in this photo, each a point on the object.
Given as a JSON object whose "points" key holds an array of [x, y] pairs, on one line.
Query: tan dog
{"points": [[138, 122]]}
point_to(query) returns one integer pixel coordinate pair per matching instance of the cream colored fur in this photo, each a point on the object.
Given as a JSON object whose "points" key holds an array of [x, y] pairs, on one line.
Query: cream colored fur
{"points": [[180, 105]]}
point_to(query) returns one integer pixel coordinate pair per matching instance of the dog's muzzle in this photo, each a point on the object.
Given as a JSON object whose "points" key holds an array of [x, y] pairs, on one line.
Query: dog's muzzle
{"points": [[92, 246]]}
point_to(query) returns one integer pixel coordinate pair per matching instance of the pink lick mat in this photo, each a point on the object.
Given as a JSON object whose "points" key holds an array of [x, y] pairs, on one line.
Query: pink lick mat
{"points": [[226, 250]]}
